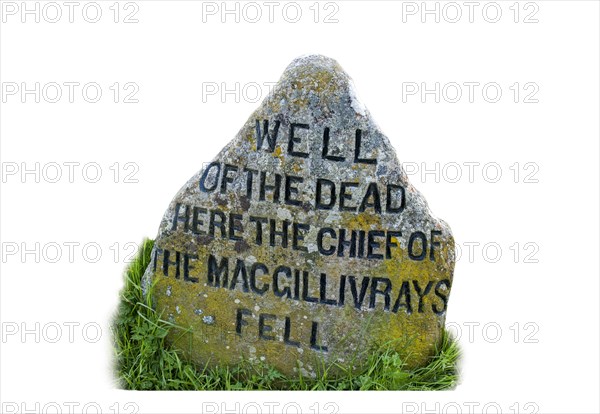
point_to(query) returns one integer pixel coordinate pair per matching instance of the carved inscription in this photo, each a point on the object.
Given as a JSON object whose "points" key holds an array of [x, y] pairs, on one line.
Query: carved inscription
{"points": [[282, 280], [303, 243]]}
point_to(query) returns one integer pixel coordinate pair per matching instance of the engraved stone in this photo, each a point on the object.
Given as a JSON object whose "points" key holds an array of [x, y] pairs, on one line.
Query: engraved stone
{"points": [[303, 244]]}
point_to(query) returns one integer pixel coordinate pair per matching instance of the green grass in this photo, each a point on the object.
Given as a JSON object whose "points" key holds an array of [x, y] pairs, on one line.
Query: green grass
{"points": [[145, 361]]}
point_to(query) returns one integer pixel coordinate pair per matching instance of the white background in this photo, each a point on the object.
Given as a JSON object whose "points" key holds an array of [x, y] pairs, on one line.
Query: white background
{"points": [[542, 298]]}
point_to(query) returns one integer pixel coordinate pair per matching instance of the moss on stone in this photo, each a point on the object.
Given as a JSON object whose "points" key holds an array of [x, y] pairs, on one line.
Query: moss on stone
{"points": [[145, 359]]}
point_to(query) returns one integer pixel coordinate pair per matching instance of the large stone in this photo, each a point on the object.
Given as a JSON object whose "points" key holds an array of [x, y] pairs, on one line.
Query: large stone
{"points": [[303, 243]]}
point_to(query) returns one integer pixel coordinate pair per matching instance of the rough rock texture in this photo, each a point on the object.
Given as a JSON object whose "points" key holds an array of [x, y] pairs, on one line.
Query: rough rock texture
{"points": [[304, 245]]}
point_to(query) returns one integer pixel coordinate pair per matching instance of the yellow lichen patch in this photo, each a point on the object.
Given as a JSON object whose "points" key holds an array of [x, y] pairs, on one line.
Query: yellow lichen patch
{"points": [[361, 221], [252, 139], [316, 81], [278, 152]]}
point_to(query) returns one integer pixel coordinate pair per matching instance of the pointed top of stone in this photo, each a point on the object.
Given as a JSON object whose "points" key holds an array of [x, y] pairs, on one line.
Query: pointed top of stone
{"points": [[309, 65], [317, 83]]}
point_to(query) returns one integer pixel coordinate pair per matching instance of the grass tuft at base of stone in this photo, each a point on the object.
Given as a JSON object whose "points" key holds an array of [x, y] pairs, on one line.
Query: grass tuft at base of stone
{"points": [[145, 361]]}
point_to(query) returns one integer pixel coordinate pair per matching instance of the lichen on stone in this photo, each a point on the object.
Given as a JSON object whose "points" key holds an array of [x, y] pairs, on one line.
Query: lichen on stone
{"points": [[303, 243]]}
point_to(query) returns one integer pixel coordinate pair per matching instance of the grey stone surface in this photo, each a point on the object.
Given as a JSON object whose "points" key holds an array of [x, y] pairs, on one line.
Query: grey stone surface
{"points": [[248, 254]]}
